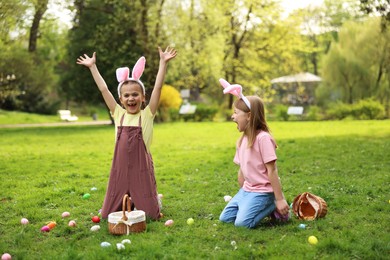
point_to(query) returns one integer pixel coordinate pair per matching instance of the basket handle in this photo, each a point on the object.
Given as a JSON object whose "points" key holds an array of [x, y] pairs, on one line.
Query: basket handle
{"points": [[127, 199]]}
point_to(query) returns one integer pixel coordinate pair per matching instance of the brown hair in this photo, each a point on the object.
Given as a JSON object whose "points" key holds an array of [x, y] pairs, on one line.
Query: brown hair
{"points": [[257, 120]]}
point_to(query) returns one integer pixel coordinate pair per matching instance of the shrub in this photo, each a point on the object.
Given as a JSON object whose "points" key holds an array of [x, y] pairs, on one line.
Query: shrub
{"points": [[205, 113], [368, 109], [364, 109], [280, 112], [202, 113], [339, 111], [170, 100], [314, 114]]}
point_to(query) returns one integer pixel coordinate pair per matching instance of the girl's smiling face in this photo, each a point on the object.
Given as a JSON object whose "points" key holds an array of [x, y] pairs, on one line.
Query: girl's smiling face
{"points": [[132, 97], [241, 118]]}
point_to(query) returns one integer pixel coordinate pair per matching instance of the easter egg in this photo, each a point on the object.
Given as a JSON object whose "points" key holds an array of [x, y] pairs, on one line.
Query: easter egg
{"points": [[190, 221], [6, 256], [51, 225], [24, 221], [95, 219], [227, 198], [105, 244], [45, 229], [93, 189], [126, 241], [302, 226], [95, 228], [72, 223], [65, 214], [120, 246], [160, 196], [86, 196], [312, 240], [169, 222]]}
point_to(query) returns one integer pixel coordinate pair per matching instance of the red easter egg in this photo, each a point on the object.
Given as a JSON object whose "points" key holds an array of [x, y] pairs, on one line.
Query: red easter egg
{"points": [[95, 219]]}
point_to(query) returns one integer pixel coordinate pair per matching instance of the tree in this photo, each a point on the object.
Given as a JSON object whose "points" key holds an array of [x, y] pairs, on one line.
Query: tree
{"points": [[32, 66], [381, 7], [320, 25], [120, 32], [356, 63], [40, 9]]}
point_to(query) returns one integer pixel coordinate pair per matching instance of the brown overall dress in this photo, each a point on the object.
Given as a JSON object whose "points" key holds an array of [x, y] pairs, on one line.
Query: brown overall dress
{"points": [[132, 172]]}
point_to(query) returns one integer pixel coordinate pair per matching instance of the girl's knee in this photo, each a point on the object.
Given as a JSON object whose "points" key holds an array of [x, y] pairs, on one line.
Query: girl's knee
{"points": [[224, 218], [248, 223]]}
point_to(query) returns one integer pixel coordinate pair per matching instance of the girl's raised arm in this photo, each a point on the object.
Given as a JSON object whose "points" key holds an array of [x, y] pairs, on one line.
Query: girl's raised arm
{"points": [[165, 57], [90, 62]]}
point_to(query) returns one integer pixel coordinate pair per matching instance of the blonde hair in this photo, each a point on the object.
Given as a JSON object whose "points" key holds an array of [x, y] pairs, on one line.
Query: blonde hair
{"points": [[257, 121]]}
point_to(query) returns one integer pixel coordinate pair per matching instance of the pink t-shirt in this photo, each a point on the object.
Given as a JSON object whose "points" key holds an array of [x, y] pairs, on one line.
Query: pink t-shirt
{"points": [[252, 162]]}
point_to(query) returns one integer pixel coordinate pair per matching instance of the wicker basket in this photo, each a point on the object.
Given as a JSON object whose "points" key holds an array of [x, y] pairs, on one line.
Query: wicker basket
{"points": [[308, 206], [125, 222]]}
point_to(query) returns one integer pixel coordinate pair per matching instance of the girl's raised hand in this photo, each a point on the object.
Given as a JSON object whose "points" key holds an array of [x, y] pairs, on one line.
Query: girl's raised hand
{"points": [[86, 60], [168, 54]]}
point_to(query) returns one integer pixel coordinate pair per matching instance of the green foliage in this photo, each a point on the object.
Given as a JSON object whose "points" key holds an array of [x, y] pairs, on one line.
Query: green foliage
{"points": [[202, 113], [29, 91], [314, 113], [358, 64], [364, 109], [279, 112], [368, 109], [45, 171]]}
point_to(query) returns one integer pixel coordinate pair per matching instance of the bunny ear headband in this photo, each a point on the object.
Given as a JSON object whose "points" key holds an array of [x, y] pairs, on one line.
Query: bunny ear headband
{"points": [[235, 90], [122, 74]]}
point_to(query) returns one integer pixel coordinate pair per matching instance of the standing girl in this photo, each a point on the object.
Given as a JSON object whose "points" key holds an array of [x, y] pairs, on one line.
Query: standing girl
{"points": [[132, 170], [260, 189]]}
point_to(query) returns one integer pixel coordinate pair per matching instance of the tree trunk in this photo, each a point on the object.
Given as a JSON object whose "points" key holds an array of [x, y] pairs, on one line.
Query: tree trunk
{"points": [[40, 9]]}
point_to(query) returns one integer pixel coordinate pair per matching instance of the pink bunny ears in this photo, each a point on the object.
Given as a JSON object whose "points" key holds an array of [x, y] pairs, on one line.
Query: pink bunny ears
{"points": [[235, 90], [122, 74]]}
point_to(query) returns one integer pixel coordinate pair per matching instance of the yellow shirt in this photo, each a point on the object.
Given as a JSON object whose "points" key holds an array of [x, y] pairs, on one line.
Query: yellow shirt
{"points": [[132, 120]]}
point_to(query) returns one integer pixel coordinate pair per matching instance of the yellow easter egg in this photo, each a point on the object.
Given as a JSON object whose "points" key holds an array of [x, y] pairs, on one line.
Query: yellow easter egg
{"points": [[312, 240]]}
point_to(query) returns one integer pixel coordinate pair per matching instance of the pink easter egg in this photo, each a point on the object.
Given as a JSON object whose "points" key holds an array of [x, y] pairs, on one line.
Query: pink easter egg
{"points": [[24, 221], [65, 214], [6, 256], [45, 229], [72, 223], [169, 223]]}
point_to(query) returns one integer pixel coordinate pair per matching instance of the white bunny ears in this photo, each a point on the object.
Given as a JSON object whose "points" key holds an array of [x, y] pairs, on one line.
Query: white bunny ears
{"points": [[122, 74], [235, 90]]}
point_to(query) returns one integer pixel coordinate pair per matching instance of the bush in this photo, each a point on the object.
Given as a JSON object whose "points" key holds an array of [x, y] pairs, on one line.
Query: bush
{"points": [[314, 114], [281, 112], [339, 111], [363, 110], [170, 101], [368, 109], [202, 113]]}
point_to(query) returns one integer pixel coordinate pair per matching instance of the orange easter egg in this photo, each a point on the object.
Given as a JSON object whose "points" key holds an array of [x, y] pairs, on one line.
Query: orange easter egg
{"points": [[52, 225]]}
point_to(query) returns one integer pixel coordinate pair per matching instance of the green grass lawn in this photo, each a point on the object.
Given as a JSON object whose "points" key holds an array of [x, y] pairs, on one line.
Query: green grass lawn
{"points": [[46, 171], [16, 117]]}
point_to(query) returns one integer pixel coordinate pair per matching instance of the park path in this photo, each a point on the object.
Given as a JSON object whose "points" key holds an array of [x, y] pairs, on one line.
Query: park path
{"points": [[105, 122]]}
